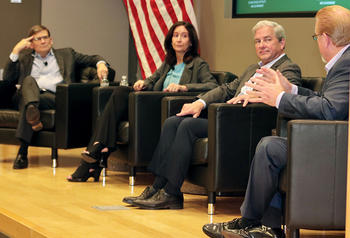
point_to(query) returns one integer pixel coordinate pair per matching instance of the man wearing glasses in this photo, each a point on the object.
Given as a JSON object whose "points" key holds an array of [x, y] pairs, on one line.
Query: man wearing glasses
{"points": [[38, 68], [332, 33]]}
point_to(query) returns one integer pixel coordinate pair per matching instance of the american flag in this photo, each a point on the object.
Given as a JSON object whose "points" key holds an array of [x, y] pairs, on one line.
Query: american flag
{"points": [[149, 22]]}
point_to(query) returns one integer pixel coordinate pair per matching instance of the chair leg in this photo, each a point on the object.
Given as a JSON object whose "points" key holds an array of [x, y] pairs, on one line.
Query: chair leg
{"points": [[211, 203], [292, 233], [54, 156], [132, 174]]}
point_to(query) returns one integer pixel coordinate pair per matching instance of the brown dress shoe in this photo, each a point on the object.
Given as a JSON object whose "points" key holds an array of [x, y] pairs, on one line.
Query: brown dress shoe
{"points": [[33, 117]]}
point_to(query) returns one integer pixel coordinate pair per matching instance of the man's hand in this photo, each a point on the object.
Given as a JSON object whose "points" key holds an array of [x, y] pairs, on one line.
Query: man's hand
{"points": [[272, 76], [102, 70], [242, 99], [194, 109], [139, 85], [268, 87], [25, 43], [176, 88]]}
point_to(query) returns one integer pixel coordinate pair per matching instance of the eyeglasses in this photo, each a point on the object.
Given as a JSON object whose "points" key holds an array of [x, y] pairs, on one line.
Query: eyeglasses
{"points": [[41, 38], [315, 36]]}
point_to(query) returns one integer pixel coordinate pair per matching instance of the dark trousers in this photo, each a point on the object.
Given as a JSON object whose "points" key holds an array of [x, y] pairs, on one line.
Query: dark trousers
{"points": [[173, 153], [30, 93], [262, 190], [116, 110]]}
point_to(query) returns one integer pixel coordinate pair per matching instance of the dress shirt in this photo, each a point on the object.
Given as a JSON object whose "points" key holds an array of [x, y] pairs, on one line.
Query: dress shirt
{"points": [[244, 89], [328, 67], [45, 70]]}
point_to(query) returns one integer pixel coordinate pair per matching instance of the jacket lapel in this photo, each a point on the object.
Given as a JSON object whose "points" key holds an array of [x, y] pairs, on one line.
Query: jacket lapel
{"points": [[60, 61], [187, 73], [28, 63], [279, 62]]}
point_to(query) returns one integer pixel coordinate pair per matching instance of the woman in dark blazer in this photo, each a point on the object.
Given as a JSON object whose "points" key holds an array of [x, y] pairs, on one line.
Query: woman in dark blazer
{"points": [[183, 70]]}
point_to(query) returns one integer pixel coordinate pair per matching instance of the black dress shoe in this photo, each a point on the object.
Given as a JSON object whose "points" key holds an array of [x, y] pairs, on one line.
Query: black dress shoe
{"points": [[21, 161], [215, 230], [161, 200], [253, 232], [146, 194]]}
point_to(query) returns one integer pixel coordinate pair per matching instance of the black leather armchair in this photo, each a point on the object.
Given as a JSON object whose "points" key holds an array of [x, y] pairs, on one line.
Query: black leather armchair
{"points": [[68, 126], [139, 136], [314, 181], [221, 162]]}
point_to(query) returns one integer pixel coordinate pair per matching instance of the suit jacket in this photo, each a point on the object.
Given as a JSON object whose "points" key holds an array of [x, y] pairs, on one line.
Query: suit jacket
{"points": [[67, 60], [196, 77], [331, 103], [227, 91]]}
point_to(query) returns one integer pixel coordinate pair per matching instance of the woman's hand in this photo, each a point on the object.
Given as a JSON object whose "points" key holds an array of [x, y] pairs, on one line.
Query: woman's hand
{"points": [[139, 85], [176, 88]]}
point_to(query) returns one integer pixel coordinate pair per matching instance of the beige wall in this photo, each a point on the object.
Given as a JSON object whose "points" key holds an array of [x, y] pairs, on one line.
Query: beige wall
{"points": [[227, 43], [15, 22], [91, 27]]}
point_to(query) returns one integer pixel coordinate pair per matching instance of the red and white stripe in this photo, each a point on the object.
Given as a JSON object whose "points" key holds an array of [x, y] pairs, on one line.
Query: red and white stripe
{"points": [[150, 21]]}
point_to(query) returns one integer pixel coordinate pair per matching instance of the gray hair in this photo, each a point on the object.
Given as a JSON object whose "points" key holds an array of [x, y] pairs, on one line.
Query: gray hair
{"points": [[277, 28]]}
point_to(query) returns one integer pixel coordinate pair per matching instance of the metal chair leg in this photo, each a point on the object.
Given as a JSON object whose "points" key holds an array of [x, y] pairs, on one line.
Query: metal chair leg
{"points": [[211, 203], [54, 156], [292, 233], [132, 174]]}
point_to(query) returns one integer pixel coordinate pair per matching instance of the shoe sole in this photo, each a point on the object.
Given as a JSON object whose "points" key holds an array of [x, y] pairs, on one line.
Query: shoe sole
{"points": [[128, 201], [227, 234], [175, 207], [33, 118], [212, 235]]}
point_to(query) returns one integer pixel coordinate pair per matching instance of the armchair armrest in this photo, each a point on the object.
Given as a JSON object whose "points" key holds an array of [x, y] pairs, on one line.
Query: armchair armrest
{"points": [[316, 174], [172, 105], [233, 133], [100, 97], [73, 114]]}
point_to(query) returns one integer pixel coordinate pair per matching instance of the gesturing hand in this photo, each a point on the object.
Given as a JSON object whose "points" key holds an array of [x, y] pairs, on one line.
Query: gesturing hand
{"points": [[268, 86], [25, 43]]}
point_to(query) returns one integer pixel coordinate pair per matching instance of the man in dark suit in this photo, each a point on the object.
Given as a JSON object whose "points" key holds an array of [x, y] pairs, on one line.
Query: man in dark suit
{"points": [[332, 33], [37, 68], [172, 156]]}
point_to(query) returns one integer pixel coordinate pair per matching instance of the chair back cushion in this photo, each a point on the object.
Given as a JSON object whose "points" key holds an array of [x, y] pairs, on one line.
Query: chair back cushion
{"points": [[223, 77]]}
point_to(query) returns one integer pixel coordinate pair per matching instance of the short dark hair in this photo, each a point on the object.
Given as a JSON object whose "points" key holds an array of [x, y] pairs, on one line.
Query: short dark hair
{"points": [[170, 57], [37, 28]]}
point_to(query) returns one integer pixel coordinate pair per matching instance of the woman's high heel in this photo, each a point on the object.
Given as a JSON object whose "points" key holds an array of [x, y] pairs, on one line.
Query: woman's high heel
{"points": [[85, 171], [93, 153]]}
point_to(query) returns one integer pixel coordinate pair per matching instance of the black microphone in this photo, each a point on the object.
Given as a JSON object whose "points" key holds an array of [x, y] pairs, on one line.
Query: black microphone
{"points": [[45, 63]]}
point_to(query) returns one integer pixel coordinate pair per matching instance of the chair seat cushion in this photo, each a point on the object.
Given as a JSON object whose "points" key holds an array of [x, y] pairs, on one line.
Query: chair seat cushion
{"points": [[200, 152], [9, 118]]}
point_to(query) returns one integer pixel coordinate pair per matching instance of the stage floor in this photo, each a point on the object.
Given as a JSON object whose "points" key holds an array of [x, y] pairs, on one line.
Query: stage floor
{"points": [[39, 202]]}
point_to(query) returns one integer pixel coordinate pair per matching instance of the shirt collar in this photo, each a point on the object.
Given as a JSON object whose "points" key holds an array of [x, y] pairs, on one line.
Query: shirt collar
{"points": [[335, 58], [268, 65], [36, 55]]}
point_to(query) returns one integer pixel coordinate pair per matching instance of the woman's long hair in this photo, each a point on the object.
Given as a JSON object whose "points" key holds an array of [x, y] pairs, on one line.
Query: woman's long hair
{"points": [[170, 57]]}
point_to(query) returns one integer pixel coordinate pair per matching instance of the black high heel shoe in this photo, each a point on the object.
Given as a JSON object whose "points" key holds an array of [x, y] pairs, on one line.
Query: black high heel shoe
{"points": [[85, 171], [93, 153]]}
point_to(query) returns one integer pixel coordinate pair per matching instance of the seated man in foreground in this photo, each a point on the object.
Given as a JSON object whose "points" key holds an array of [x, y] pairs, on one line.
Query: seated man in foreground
{"points": [[332, 33]]}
